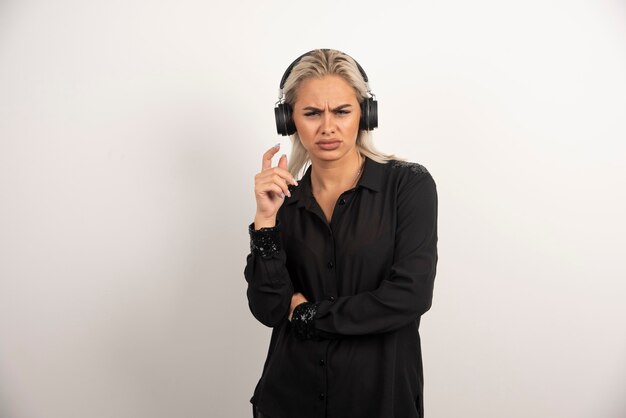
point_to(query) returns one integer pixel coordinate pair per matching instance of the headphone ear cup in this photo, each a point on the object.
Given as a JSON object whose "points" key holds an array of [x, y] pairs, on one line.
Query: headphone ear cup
{"points": [[373, 113], [284, 121], [369, 114]]}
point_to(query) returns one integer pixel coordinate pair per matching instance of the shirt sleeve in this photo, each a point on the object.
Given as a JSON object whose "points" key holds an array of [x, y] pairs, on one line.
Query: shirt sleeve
{"points": [[269, 286], [407, 292]]}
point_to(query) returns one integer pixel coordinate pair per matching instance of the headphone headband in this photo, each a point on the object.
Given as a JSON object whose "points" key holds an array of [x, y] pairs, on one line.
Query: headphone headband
{"points": [[297, 60]]}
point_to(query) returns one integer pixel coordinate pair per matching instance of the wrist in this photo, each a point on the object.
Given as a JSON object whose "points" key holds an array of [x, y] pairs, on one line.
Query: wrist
{"points": [[264, 222]]}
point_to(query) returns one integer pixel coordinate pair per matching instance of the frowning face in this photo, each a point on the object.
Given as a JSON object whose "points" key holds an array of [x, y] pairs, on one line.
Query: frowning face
{"points": [[326, 114]]}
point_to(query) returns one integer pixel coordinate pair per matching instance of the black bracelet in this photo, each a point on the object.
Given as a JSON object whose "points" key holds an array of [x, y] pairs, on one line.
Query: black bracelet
{"points": [[264, 241], [302, 320]]}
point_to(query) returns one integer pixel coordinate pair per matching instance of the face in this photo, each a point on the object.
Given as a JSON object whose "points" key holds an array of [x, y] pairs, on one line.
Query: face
{"points": [[326, 114]]}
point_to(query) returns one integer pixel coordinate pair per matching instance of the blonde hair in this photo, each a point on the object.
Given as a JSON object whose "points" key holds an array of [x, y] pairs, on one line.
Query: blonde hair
{"points": [[319, 63]]}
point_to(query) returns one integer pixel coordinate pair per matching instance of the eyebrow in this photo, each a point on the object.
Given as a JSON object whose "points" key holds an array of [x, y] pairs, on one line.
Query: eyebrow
{"points": [[343, 106]]}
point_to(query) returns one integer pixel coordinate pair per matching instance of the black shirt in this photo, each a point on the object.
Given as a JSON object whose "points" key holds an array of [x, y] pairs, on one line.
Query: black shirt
{"points": [[369, 277]]}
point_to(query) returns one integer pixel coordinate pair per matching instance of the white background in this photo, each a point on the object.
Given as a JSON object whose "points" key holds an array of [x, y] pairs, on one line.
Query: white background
{"points": [[130, 133]]}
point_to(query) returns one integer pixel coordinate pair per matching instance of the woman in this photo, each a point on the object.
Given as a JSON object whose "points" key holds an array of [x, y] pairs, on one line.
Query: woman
{"points": [[342, 262]]}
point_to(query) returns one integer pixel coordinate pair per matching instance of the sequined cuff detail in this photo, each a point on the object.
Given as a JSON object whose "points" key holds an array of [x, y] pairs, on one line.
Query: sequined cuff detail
{"points": [[265, 241], [302, 320]]}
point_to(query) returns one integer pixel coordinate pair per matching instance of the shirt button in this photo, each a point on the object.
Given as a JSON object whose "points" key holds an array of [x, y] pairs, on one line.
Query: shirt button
{"points": [[322, 396], [330, 264], [331, 298], [322, 362], [342, 201]]}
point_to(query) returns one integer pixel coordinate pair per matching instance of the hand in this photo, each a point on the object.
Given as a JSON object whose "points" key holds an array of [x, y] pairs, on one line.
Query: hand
{"points": [[270, 188], [296, 300]]}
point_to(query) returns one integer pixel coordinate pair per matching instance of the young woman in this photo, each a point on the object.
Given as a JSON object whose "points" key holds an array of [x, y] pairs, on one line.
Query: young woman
{"points": [[342, 262]]}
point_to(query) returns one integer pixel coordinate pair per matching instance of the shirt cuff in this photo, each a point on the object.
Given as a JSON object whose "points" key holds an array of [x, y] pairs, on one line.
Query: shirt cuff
{"points": [[265, 241], [302, 320]]}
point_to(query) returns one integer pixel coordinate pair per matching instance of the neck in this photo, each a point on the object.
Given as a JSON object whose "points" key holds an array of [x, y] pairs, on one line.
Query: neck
{"points": [[331, 176]]}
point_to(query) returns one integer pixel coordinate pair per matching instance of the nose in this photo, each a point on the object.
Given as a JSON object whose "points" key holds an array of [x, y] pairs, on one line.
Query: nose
{"points": [[328, 123]]}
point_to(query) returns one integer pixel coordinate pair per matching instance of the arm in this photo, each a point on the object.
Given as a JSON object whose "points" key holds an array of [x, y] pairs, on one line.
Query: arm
{"points": [[405, 294], [269, 286]]}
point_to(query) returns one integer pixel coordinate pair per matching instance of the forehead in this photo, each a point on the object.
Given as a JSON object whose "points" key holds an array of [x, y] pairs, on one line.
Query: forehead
{"points": [[332, 89]]}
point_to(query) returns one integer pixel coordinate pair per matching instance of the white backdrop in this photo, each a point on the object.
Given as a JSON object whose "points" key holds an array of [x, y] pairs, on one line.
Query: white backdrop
{"points": [[130, 133]]}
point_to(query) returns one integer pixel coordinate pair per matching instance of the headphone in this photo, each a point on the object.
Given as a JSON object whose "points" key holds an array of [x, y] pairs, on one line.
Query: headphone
{"points": [[283, 112]]}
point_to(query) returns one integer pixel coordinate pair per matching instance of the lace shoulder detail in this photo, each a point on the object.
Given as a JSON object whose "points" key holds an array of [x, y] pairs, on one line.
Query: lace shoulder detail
{"points": [[414, 167]]}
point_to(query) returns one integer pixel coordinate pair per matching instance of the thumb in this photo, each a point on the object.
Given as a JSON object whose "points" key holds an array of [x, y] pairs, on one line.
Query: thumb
{"points": [[282, 162]]}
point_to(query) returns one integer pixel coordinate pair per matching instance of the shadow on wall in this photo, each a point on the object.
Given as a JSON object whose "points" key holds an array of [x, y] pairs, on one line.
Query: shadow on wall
{"points": [[4, 403]]}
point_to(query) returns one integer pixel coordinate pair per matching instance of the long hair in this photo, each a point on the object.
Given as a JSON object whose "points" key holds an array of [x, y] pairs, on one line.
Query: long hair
{"points": [[319, 63]]}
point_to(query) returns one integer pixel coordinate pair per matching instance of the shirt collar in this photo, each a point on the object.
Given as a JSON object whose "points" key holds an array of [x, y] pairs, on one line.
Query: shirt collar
{"points": [[371, 179]]}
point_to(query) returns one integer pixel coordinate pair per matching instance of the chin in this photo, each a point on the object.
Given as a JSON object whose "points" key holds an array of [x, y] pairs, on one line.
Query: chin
{"points": [[329, 155]]}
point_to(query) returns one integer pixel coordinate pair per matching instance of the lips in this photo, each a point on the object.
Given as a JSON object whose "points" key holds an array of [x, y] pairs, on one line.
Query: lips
{"points": [[329, 144]]}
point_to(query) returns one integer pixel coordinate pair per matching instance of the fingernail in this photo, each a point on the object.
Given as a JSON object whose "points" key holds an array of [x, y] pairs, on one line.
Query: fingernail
{"points": [[284, 155], [277, 145], [288, 193], [295, 183], [282, 195]]}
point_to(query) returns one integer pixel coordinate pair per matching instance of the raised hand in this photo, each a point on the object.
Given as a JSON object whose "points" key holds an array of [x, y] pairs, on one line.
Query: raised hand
{"points": [[270, 188]]}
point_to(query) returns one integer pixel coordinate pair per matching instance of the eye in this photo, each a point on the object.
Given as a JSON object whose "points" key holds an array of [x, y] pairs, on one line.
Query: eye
{"points": [[312, 113], [342, 112]]}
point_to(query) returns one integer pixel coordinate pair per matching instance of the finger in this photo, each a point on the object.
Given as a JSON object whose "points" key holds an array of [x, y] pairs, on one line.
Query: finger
{"points": [[280, 182], [282, 162], [267, 157], [277, 191], [282, 172], [271, 187]]}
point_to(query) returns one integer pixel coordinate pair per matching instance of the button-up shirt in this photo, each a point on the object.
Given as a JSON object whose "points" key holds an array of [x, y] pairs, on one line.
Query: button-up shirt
{"points": [[370, 272]]}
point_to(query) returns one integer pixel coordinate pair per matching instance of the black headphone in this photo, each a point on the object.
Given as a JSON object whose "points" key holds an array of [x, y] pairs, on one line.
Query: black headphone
{"points": [[284, 120]]}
